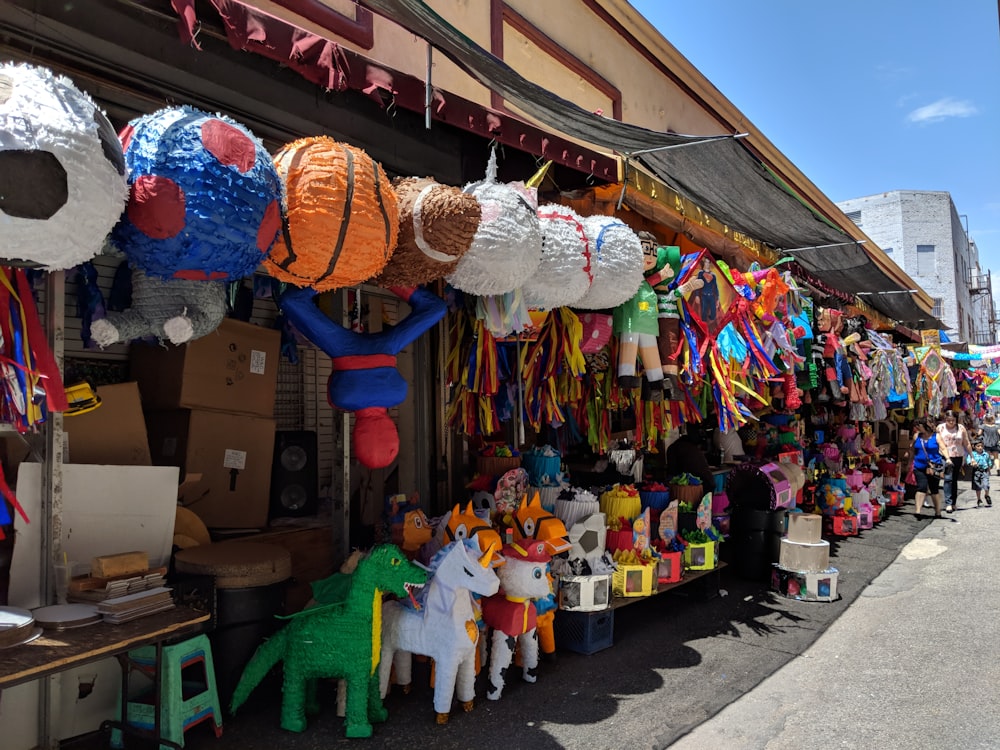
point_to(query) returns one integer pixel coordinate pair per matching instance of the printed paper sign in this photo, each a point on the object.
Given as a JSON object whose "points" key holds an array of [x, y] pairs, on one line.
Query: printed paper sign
{"points": [[258, 362], [235, 459]]}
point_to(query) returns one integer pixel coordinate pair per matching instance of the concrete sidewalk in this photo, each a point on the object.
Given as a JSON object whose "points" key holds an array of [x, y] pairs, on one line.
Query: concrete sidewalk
{"points": [[911, 664]]}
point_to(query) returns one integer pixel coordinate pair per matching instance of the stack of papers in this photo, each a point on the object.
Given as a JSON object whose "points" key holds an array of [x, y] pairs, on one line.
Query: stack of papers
{"points": [[121, 609], [98, 590]]}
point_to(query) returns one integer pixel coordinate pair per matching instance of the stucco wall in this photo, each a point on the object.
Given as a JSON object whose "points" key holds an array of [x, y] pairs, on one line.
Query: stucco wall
{"points": [[904, 219]]}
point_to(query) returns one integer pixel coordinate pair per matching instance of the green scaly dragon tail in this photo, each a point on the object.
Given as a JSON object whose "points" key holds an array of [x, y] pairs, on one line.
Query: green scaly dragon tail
{"points": [[269, 653]]}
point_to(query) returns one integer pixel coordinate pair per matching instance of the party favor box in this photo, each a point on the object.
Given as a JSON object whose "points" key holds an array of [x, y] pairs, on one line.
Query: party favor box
{"points": [[633, 580], [813, 586], [585, 593], [700, 556]]}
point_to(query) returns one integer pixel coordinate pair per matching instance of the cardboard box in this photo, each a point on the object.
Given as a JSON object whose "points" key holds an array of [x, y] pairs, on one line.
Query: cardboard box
{"points": [[114, 434], [234, 369], [231, 452]]}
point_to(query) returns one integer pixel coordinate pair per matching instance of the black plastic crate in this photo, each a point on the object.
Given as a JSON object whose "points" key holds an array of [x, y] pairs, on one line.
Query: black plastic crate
{"points": [[585, 632]]}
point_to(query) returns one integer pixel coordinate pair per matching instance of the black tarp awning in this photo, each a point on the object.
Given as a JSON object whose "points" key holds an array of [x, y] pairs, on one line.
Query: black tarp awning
{"points": [[718, 173], [730, 183]]}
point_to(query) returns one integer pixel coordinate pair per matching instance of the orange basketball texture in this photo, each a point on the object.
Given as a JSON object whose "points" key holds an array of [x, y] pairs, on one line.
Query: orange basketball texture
{"points": [[436, 227], [341, 212]]}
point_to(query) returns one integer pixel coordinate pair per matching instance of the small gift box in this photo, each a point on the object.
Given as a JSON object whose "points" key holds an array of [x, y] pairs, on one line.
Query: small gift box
{"points": [[585, 593], [633, 580], [699, 556], [669, 567], [843, 525]]}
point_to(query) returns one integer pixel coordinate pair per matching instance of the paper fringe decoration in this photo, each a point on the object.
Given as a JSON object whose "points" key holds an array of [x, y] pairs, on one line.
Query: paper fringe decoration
{"points": [[616, 260], [436, 226], [62, 173], [507, 247], [565, 273], [341, 214], [205, 197]]}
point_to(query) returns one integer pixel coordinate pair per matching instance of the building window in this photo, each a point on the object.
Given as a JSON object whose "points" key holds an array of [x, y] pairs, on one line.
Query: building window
{"points": [[854, 216], [925, 259], [937, 312]]}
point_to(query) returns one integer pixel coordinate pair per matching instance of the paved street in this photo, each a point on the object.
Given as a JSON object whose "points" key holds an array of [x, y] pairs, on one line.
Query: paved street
{"points": [[904, 659], [911, 664]]}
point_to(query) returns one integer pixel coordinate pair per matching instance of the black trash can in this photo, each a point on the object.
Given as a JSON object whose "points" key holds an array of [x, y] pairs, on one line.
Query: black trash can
{"points": [[250, 583], [755, 541]]}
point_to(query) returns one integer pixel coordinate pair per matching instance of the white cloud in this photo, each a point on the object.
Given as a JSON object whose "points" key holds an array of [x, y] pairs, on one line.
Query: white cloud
{"points": [[942, 109]]}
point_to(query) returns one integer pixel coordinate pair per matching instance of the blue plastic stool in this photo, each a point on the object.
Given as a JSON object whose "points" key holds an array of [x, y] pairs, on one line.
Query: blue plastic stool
{"points": [[184, 702]]}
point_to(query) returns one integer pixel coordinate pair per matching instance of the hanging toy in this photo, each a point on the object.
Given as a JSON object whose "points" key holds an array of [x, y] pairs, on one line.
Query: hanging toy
{"points": [[507, 247], [616, 261], [437, 224], [204, 208], [565, 273], [62, 173], [341, 216], [637, 326], [364, 377]]}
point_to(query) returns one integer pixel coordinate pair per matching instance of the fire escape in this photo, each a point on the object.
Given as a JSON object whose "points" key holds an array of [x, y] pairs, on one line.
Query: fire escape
{"points": [[983, 310]]}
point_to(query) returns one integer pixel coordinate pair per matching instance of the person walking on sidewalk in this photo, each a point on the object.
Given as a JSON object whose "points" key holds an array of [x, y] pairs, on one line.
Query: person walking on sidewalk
{"points": [[981, 461], [928, 466], [954, 444], [991, 438]]}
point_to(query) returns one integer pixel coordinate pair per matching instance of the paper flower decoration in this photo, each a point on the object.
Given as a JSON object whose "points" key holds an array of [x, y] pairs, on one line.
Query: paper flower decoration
{"points": [[341, 214], [205, 201], [616, 259], [507, 248], [564, 275], [62, 173], [436, 227]]}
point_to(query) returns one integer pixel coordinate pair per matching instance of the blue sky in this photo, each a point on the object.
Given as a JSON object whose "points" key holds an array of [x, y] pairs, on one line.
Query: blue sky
{"points": [[863, 96]]}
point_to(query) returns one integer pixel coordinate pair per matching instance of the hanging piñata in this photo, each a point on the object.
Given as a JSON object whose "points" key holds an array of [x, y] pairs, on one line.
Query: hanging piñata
{"points": [[204, 208], [364, 377], [565, 273], [341, 216], [436, 226], [62, 173], [507, 247], [616, 263]]}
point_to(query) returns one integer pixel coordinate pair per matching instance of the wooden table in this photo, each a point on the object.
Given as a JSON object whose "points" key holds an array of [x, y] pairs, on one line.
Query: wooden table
{"points": [[689, 577], [56, 651]]}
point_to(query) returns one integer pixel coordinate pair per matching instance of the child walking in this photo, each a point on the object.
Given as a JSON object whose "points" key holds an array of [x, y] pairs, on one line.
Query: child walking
{"points": [[981, 462]]}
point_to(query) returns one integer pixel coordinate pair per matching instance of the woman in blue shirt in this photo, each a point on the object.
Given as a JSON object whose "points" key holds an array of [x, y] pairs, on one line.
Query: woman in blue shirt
{"points": [[928, 466]]}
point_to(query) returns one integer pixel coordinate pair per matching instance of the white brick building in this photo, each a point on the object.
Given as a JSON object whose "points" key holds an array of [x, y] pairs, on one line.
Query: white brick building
{"points": [[923, 233]]}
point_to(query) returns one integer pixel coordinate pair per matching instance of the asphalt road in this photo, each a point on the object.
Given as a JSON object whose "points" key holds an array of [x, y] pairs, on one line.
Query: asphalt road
{"points": [[905, 658]]}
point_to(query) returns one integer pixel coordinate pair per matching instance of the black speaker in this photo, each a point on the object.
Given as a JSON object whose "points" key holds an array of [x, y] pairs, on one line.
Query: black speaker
{"points": [[294, 474]]}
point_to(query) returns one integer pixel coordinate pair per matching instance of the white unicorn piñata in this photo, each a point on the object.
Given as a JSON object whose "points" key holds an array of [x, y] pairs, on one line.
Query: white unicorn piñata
{"points": [[444, 628], [511, 613]]}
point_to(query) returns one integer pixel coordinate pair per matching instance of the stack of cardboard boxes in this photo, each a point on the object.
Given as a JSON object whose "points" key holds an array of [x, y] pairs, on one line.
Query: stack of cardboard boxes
{"points": [[209, 408]]}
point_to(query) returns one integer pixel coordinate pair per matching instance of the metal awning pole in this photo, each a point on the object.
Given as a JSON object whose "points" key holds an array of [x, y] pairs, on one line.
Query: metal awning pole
{"points": [[733, 136], [428, 88]]}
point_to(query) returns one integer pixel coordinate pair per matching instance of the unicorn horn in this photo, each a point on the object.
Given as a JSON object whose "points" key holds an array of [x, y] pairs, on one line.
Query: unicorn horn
{"points": [[487, 557], [539, 176]]}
